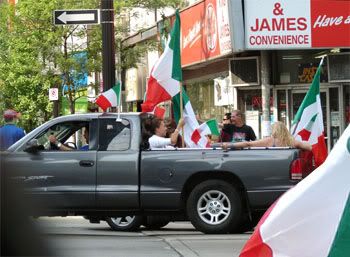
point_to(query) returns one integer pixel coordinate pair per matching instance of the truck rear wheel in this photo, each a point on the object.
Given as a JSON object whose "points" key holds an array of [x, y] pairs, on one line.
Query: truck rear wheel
{"points": [[214, 207], [125, 223]]}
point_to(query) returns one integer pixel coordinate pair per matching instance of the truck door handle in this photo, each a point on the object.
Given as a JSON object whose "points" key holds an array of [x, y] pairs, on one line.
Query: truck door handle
{"points": [[86, 163]]}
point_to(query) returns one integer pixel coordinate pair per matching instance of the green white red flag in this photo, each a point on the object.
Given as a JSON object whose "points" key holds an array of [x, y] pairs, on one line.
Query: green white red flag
{"points": [[308, 122], [164, 84], [110, 98], [313, 218], [209, 127], [166, 75], [191, 123]]}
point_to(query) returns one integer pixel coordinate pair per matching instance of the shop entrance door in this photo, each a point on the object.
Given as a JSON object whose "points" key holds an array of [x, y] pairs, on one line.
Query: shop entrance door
{"points": [[297, 99]]}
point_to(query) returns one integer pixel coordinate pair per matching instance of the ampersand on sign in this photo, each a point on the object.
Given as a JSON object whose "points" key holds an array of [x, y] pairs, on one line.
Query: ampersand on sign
{"points": [[277, 10]]}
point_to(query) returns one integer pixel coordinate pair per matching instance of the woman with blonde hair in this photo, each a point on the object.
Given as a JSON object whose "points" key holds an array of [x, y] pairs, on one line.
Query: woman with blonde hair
{"points": [[280, 137]]}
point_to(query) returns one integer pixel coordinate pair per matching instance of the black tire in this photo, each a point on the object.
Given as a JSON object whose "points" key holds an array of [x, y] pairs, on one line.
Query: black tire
{"points": [[156, 222], [220, 206], [125, 223]]}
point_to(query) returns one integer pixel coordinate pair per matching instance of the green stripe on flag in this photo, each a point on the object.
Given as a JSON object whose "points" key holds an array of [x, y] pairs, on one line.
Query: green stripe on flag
{"points": [[116, 90], [213, 126], [341, 243], [176, 104], [175, 46], [310, 97]]}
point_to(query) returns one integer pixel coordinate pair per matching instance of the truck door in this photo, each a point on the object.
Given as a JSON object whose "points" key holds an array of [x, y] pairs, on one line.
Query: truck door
{"points": [[117, 165], [56, 178]]}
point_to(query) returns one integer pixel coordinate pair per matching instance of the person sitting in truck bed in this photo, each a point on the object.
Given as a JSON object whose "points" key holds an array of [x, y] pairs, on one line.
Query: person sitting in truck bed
{"points": [[158, 130], [280, 137]]}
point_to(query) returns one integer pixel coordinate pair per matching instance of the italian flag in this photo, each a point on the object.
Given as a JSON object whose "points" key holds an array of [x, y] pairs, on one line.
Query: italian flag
{"points": [[110, 98], [191, 123], [313, 218], [164, 84], [308, 122], [207, 128], [166, 75]]}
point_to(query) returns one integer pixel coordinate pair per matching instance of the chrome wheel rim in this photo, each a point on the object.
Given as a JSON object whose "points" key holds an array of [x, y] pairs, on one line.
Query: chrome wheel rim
{"points": [[213, 207], [123, 221]]}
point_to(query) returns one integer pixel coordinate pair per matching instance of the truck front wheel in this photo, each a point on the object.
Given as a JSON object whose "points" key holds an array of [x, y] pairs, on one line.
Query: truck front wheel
{"points": [[125, 223], [214, 207]]}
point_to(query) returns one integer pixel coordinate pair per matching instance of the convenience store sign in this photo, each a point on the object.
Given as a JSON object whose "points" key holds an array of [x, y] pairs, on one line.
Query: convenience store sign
{"points": [[296, 24]]}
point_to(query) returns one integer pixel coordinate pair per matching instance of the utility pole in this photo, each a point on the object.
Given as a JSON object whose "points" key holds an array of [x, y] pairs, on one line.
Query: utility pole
{"points": [[265, 93], [108, 44]]}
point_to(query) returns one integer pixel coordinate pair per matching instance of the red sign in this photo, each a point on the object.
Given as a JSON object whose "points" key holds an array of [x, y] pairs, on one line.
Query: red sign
{"points": [[205, 31], [330, 22]]}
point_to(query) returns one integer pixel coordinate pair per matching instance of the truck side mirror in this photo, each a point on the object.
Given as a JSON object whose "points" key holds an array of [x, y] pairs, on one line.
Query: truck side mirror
{"points": [[32, 146]]}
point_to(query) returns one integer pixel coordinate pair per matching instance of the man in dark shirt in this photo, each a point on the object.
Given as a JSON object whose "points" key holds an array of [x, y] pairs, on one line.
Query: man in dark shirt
{"points": [[238, 130]]}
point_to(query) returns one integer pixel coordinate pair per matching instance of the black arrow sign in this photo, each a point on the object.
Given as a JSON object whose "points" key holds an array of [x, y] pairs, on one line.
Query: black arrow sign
{"points": [[76, 17]]}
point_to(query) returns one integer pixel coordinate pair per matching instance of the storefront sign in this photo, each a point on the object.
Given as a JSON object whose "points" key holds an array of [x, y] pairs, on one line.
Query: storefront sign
{"points": [[205, 32], [273, 24]]}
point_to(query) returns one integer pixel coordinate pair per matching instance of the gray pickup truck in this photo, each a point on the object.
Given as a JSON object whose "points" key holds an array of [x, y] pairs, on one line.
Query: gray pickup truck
{"points": [[115, 179]]}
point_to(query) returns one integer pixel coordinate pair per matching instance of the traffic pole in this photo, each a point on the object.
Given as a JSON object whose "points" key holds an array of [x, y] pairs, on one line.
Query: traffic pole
{"points": [[108, 44]]}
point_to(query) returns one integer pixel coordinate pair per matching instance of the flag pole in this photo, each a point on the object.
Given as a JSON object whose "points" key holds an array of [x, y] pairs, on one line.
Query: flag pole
{"points": [[181, 116], [119, 100]]}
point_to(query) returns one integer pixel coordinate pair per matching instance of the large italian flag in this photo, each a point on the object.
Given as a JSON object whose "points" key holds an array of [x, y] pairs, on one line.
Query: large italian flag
{"points": [[166, 75], [308, 122], [164, 84], [313, 218]]}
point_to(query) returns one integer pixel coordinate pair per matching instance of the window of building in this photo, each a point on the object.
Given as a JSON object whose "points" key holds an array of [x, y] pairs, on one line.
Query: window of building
{"points": [[296, 66]]}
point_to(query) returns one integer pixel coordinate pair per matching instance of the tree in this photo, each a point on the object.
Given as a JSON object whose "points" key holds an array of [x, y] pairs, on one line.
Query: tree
{"points": [[36, 55]]}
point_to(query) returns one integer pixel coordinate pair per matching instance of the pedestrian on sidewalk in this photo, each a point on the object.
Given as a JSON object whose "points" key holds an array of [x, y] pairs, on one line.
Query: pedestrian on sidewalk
{"points": [[9, 132]]}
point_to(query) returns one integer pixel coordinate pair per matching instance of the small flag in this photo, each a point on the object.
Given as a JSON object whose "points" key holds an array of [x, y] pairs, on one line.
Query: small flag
{"points": [[207, 128], [308, 122], [110, 98]]}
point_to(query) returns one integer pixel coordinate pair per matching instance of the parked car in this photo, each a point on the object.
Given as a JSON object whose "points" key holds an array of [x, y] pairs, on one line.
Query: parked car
{"points": [[117, 181]]}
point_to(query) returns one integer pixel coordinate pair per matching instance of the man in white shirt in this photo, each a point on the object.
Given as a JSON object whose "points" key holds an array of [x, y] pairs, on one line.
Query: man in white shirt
{"points": [[158, 140]]}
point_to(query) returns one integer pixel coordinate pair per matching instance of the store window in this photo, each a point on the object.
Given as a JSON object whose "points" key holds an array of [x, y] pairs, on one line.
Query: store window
{"points": [[250, 103], [297, 66], [346, 105], [201, 95], [282, 106]]}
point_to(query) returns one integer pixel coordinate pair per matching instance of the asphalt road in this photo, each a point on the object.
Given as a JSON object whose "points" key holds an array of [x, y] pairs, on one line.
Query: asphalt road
{"points": [[75, 236]]}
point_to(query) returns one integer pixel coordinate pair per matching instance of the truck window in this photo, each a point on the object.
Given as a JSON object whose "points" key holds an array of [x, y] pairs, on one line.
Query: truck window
{"points": [[114, 135]]}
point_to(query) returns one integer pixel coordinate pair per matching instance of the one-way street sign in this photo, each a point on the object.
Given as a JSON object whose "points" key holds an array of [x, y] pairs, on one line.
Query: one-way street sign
{"points": [[76, 17]]}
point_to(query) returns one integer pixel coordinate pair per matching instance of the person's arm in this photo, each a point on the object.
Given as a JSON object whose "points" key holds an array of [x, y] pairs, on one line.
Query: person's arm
{"points": [[175, 135], [59, 145], [259, 143], [302, 145], [158, 142]]}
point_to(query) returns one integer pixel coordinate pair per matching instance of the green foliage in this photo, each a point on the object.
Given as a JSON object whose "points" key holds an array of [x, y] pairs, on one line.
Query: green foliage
{"points": [[36, 55]]}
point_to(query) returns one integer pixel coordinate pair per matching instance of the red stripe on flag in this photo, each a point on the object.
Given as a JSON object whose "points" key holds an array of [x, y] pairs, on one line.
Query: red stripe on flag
{"points": [[159, 112], [304, 134], [319, 151], [103, 102], [195, 136], [155, 95]]}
